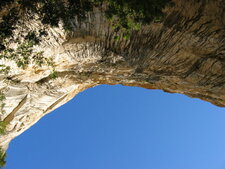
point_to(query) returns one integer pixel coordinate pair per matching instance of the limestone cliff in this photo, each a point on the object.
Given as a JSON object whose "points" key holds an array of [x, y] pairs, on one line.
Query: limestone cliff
{"points": [[183, 54]]}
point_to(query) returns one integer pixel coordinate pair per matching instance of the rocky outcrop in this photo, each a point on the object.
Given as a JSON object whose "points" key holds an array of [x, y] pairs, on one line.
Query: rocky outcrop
{"points": [[184, 54]]}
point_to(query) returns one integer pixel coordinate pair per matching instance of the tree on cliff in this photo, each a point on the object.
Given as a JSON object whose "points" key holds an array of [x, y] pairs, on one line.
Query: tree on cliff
{"points": [[176, 46]]}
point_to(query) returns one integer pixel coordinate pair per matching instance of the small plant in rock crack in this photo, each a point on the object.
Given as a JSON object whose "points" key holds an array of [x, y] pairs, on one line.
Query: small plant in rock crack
{"points": [[2, 158], [2, 104], [2, 127]]}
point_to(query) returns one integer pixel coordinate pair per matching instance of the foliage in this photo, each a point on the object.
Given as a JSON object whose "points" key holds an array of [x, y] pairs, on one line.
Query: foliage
{"points": [[125, 15], [4, 69], [2, 131], [23, 54], [2, 104], [129, 14], [2, 158], [2, 127], [54, 74]]}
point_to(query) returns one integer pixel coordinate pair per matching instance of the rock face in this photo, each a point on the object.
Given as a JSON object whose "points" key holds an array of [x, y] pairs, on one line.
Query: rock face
{"points": [[184, 54]]}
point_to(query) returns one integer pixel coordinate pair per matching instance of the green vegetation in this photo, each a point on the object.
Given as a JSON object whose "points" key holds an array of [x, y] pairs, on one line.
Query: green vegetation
{"points": [[128, 15], [54, 74], [2, 127], [125, 16], [2, 131], [2, 153], [2, 158], [23, 54], [2, 104]]}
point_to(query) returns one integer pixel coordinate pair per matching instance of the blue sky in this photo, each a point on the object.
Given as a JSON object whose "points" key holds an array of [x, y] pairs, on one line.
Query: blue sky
{"points": [[117, 127]]}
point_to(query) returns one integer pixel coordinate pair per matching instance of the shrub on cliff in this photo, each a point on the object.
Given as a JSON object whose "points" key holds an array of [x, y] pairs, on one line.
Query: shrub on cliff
{"points": [[2, 158]]}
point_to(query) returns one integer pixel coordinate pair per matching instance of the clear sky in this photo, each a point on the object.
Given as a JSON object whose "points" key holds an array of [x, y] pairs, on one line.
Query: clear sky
{"points": [[116, 127]]}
